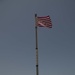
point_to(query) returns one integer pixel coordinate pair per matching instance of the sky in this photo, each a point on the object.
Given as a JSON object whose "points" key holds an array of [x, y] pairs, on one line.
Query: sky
{"points": [[17, 37]]}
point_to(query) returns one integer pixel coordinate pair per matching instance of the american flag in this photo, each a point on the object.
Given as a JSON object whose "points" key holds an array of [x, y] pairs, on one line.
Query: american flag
{"points": [[44, 22]]}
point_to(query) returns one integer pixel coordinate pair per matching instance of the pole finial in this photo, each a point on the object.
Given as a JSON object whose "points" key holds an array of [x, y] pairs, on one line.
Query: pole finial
{"points": [[35, 15]]}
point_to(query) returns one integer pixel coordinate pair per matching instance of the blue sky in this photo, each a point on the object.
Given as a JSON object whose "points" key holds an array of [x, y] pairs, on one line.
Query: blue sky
{"points": [[17, 37]]}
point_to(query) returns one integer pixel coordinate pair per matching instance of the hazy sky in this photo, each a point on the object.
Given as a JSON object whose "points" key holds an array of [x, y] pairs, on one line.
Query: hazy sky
{"points": [[17, 37]]}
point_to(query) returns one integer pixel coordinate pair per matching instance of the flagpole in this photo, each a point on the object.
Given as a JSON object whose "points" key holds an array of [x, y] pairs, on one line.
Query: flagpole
{"points": [[36, 35]]}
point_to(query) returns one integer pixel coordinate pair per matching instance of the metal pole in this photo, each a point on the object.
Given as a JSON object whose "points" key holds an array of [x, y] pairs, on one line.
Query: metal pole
{"points": [[37, 73]]}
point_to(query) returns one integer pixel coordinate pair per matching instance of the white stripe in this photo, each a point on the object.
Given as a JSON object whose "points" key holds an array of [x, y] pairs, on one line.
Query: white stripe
{"points": [[41, 24]]}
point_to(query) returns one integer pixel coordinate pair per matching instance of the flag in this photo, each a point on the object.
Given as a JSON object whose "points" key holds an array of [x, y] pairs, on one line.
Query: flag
{"points": [[44, 22]]}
